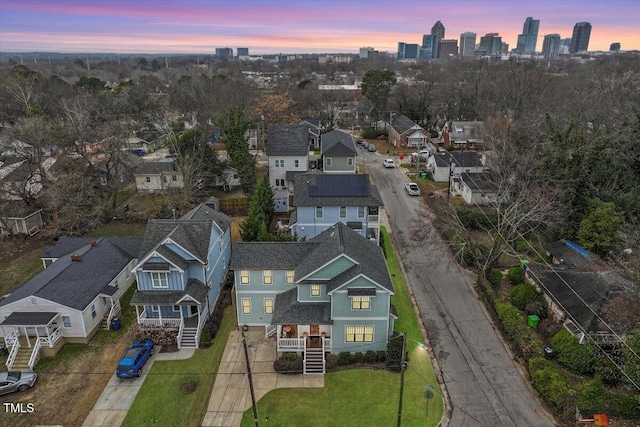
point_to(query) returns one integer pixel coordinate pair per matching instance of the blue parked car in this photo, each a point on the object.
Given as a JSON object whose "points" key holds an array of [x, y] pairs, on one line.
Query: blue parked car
{"points": [[134, 359]]}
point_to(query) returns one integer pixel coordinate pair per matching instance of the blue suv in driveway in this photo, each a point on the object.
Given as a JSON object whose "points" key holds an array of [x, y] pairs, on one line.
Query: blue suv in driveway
{"points": [[134, 358]]}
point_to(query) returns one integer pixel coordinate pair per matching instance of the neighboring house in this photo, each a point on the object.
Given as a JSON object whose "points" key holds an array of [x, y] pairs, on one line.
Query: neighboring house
{"points": [[329, 294], [22, 178], [229, 179], [338, 152], [314, 131], [183, 264], [586, 296], [158, 177], [18, 218], [404, 132], [463, 134], [288, 151], [443, 166], [321, 200], [474, 188], [252, 138], [70, 300]]}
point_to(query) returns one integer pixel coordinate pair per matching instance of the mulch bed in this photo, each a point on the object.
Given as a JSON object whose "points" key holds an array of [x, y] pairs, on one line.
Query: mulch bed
{"points": [[169, 348]]}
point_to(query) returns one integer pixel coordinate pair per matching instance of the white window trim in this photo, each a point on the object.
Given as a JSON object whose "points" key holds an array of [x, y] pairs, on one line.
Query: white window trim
{"points": [[349, 161], [340, 212], [264, 305], [329, 161], [290, 277], [243, 306], [243, 276], [353, 299], [63, 324], [373, 333], [153, 280], [311, 288], [321, 212], [265, 276], [361, 209]]}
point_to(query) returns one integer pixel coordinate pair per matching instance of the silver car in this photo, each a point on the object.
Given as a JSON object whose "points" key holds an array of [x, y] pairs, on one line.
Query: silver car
{"points": [[412, 188], [16, 381]]}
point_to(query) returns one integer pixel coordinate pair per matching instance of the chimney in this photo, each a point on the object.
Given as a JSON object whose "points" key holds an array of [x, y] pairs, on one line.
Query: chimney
{"points": [[76, 257], [94, 243]]}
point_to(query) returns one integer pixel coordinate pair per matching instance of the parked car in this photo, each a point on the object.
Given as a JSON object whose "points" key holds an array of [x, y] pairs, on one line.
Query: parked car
{"points": [[389, 163], [16, 381], [372, 148], [360, 141], [441, 150], [382, 137], [134, 358], [412, 188], [365, 144]]}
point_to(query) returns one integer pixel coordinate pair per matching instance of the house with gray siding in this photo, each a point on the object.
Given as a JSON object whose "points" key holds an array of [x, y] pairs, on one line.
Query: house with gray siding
{"points": [[287, 149], [323, 199], [183, 264], [443, 166], [70, 300], [338, 152], [329, 294]]}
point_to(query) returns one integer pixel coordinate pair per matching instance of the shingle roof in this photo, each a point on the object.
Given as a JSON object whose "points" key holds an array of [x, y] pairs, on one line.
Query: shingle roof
{"points": [[76, 283], [269, 255], [336, 187], [312, 121], [337, 143], [24, 318], [403, 123], [466, 159], [465, 131], [191, 234], [206, 212], [478, 182], [66, 245], [195, 289], [155, 168], [287, 309], [287, 140]]}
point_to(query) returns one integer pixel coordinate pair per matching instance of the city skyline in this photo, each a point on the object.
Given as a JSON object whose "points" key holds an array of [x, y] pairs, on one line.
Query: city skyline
{"points": [[196, 26]]}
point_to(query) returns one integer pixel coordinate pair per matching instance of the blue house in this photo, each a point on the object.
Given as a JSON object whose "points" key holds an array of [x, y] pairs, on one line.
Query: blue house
{"points": [[321, 200], [182, 265], [329, 294]]}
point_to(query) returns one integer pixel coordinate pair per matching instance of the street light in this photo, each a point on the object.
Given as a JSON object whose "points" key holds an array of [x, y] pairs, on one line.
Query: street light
{"points": [[403, 365]]}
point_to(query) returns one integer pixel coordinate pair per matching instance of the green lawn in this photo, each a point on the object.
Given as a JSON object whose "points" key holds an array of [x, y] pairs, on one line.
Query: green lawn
{"points": [[363, 396], [160, 401]]}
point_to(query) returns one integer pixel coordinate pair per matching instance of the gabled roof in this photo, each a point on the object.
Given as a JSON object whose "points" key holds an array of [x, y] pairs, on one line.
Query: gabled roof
{"points": [[206, 212], [463, 159], [478, 182], [403, 123], [467, 131], [338, 143], [287, 140], [76, 284], [269, 255], [313, 189], [287, 309], [192, 235], [195, 290], [312, 121], [156, 168], [66, 245]]}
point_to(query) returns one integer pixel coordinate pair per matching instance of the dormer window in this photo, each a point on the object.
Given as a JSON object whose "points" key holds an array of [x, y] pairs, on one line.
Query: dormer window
{"points": [[160, 280], [315, 290]]}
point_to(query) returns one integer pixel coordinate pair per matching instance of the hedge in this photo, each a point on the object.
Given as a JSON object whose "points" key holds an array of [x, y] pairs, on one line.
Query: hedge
{"points": [[515, 328], [520, 295], [578, 358], [549, 382], [516, 275]]}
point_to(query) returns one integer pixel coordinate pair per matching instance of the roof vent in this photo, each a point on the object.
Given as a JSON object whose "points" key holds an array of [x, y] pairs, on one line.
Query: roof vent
{"points": [[76, 257]]}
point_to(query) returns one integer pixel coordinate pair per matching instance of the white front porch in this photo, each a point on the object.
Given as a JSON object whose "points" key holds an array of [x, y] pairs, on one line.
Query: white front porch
{"points": [[188, 327], [25, 337], [298, 338]]}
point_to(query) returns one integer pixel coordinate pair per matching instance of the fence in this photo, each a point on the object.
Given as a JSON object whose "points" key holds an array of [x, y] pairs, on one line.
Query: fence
{"points": [[234, 207]]}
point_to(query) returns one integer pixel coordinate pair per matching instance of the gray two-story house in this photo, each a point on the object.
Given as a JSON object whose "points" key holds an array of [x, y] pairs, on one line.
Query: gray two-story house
{"points": [[338, 152], [288, 150], [329, 294], [182, 265], [321, 200]]}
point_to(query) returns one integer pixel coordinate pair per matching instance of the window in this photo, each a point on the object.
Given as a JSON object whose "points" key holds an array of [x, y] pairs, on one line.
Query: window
{"points": [[148, 179], [66, 321], [244, 277], [174, 178], [266, 277], [104, 301], [360, 211], [279, 163], [93, 310], [268, 306], [164, 179], [361, 303], [160, 280], [315, 290], [329, 161], [246, 305], [154, 308], [290, 275], [343, 211], [279, 182], [358, 334], [350, 161], [296, 163], [318, 211]]}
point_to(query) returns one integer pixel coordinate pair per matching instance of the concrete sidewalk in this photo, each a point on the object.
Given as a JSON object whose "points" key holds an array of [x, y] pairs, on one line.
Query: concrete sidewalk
{"points": [[231, 397], [118, 395]]}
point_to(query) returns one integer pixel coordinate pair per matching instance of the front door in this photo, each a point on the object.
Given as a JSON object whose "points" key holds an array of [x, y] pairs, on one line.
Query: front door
{"points": [[314, 330], [194, 310]]}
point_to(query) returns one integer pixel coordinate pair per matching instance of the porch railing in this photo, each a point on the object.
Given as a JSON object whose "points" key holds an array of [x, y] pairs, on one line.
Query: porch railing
{"points": [[115, 307], [12, 355], [180, 331], [34, 353], [326, 346], [373, 218], [291, 344], [11, 339], [52, 339], [154, 321]]}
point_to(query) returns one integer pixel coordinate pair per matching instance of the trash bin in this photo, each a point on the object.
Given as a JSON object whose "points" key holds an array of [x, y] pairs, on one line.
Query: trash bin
{"points": [[115, 323], [533, 320], [423, 175]]}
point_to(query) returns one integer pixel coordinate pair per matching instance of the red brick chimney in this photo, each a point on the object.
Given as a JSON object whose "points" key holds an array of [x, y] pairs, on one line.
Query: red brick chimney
{"points": [[76, 257], [94, 243]]}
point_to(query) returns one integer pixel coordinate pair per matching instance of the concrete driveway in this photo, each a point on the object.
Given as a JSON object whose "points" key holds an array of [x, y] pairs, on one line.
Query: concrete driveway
{"points": [[117, 397]]}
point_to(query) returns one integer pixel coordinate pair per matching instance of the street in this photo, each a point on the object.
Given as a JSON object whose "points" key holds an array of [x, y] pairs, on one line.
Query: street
{"points": [[484, 384]]}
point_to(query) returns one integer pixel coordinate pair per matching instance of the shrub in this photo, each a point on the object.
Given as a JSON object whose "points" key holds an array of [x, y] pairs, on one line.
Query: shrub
{"points": [[344, 358], [357, 357], [537, 306], [549, 382], [331, 361], [287, 366], [515, 275], [495, 276], [370, 357], [205, 338], [517, 331], [542, 259], [369, 133], [381, 356], [578, 358], [595, 398], [291, 356], [520, 295], [394, 353], [521, 244]]}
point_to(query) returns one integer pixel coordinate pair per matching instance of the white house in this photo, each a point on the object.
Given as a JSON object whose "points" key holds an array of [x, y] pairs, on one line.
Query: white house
{"points": [[157, 177], [443, 165]]}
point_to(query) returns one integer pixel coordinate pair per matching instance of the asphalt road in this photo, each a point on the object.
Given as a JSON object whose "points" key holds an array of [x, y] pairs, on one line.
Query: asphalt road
{"points": [[484, 385]]}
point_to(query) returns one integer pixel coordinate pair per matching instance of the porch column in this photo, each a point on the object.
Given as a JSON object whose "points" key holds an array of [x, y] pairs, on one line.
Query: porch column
{"points": [[160, 314], [26, 334], [137, 314]]}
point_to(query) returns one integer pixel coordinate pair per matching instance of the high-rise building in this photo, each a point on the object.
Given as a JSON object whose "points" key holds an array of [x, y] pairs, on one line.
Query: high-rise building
{"points": [[615, 47], [467, 44], [504, 48], [224, 53], [529, 37], [491, 44], [429, 46], [365, 52], [580, 38], [243, 52], [438, 31], [551, 46], [408, 50], [448, 48]]}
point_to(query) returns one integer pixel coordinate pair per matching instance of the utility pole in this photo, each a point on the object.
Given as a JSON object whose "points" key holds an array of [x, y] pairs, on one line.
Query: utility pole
{"points": [[449, 184], [402, 368], [253, 394]]}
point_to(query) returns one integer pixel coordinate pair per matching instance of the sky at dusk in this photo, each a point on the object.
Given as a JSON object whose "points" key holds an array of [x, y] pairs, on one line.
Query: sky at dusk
{"points": [[295, 26]]}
